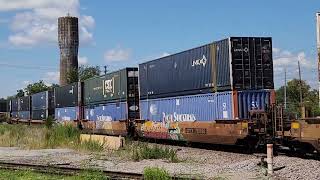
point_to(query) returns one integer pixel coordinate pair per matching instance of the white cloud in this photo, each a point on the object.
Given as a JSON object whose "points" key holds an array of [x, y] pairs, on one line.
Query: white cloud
{"points": [[117, 54], [87, 21], [286, 60], [35, 21], [83, 60], [51, 77]]}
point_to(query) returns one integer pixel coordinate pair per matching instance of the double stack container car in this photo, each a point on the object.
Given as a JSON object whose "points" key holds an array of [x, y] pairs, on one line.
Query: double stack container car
{"points": [[203, 94], [67, 102], [111, 101], [42, 105], [186, 96]]}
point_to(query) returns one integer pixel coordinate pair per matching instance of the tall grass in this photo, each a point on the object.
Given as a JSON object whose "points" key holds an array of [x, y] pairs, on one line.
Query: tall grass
{"points": [[141, 151], [62, 136], [37, 137], [155, 173]]}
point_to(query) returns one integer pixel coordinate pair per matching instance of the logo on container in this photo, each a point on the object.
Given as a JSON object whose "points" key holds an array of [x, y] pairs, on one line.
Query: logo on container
{"points": [[175, 117], [254, 105], [199, 62], [104, 118], [240, 50], [108, 86]]}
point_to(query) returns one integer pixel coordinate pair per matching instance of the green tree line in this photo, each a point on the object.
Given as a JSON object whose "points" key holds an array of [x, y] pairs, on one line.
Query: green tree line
{"points": [[310, 98], [82, 73]]}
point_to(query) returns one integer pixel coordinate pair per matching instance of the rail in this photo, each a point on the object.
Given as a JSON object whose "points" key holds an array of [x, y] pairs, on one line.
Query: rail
{"points": [[63, 169]]}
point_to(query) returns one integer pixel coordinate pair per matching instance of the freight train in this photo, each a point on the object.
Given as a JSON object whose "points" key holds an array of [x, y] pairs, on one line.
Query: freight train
{"points": [[218, 93]]}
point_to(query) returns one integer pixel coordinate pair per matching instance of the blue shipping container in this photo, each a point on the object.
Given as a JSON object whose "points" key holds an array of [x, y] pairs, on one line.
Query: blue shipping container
{"points": [[107, 112], [204, 107], [66, 114], [24, 115], [14, 114]]}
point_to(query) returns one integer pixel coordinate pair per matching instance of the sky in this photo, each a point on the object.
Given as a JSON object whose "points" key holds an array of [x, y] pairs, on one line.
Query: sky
{"points": [[125, 33]]}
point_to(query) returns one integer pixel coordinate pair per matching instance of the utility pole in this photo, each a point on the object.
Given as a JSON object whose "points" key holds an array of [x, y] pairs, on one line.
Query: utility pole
{"points": [[105, 70], [300, 82], [285, 88], [318, 48]]}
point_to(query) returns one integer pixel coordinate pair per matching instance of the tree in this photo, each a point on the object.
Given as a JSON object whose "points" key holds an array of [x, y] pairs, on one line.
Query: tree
{"points": [[309, 96], [20, 93], [83, 73], [36, 88]]}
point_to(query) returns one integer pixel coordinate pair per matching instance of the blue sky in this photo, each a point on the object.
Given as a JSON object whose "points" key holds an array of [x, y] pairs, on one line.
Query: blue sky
{"points": [[124, 33]]}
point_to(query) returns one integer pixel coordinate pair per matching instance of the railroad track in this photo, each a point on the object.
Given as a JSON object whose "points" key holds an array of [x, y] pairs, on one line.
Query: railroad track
{"points": [[63, 170]]}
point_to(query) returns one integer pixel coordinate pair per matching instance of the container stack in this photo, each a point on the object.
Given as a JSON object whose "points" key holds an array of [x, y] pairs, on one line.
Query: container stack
{"points": [[222, 80], [24, 108], [112, 98], [42, 105], [66, 102]]}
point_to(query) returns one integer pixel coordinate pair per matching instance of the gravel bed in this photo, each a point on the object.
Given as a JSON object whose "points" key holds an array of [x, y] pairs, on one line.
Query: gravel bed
{"points": [[200, 163]]}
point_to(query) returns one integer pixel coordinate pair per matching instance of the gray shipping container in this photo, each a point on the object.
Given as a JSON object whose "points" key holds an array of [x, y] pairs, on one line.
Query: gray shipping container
{"points": [[14, 105], [66, 96], [3, 105], [25, 103], [236, 63], [108, 88]]}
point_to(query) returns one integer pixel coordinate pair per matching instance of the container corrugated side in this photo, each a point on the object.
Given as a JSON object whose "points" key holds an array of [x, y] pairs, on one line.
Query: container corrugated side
{"points": [[66, 114], [24, 103], [14, 105], [40, 100], [184, 73], [14, 114], [203, 107], [107, 112], [66, 96], [252, 100], [41, 114], [227, 105], [223, 65], [107, 88], [24, 115]]}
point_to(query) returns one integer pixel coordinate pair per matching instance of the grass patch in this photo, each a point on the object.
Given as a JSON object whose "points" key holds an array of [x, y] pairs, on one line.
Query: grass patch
{"points": [[62, 136], [40, 137], [19, 175], [140, 151], [155, 173], [91, 146]]}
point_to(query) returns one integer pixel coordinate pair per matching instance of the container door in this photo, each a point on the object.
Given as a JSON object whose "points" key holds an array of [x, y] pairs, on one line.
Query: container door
{"points": [[252, 66]]}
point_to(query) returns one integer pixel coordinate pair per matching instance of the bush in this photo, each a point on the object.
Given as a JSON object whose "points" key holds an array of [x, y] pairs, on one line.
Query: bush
{"points": [[49, 122], [144, 151], [155, 173]]}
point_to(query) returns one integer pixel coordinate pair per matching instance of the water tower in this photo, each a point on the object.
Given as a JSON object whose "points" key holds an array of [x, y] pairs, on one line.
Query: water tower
{"points": [[68, 38]]}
